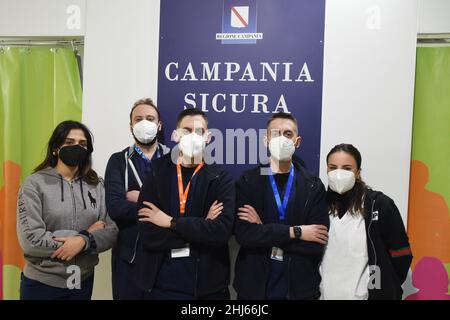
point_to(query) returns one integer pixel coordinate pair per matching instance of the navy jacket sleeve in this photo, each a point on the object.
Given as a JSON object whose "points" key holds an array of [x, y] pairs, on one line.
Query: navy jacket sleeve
{"points": [[153, 237], [215, 232], [318, 214], [119, 208], [273, 234], [394, 237], [252, 235]]}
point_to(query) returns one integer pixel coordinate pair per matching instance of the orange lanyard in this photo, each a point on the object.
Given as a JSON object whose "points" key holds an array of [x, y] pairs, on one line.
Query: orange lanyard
{"points": [[184, 193]]}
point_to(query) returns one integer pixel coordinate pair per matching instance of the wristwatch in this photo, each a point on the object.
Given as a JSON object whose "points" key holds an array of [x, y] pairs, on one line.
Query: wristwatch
{"points": [[297, 232], [173, 224], [92, 243]]}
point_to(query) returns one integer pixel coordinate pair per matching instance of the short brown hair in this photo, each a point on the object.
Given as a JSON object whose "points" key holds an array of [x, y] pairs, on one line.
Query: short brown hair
{"points": [[191, 112], [282, 115], [146, 101]]}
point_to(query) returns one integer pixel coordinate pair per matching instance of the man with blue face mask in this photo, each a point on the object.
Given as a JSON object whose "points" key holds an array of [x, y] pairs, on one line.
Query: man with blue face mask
{"points": [[123, 181], [186, 219], [282, 222]]}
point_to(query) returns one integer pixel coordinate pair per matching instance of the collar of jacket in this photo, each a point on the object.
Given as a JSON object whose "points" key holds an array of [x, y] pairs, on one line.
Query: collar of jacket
{"points": [[164, 163], [254, 175], [370, 204], [162, 172], [130, 149], [50, 171]]}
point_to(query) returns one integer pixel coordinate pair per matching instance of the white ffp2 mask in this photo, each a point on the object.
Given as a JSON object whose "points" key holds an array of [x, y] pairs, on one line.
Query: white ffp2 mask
{"points": [[192, 145], [340, 180], [145, 131], [281, 148]]}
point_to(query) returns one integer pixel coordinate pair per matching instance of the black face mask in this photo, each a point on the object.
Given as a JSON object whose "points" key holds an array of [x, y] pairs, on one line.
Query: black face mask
{"points": [[73, 156]]}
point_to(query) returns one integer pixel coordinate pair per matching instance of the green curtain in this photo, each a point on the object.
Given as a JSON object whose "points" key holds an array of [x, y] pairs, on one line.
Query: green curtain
{"points": [[39, 88], [429, 197]]}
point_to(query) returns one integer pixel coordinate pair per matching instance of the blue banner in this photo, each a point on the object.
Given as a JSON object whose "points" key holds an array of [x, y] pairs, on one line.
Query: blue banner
{"points": [[241, 61]]}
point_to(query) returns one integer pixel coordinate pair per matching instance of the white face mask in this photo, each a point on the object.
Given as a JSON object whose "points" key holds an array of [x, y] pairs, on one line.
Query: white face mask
{"points": [[145, 131], [281, 148], [340, 180], [192, 145]]}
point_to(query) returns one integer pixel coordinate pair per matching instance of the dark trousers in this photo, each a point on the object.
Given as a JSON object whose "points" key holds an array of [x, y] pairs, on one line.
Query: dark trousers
{"points": [[316, 297], [34, 290], [123, 285], [157, 294]]}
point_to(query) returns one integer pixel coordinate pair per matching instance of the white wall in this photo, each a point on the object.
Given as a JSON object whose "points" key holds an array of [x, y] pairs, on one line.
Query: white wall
{"points": [[37, 18], [434, 16], [368, 88], [121, 66]]}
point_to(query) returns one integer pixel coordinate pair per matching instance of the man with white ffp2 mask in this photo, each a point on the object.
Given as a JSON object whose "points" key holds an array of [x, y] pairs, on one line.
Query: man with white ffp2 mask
{"points": [[125, 172], [185, 219], [191, 144], [282, 222]]}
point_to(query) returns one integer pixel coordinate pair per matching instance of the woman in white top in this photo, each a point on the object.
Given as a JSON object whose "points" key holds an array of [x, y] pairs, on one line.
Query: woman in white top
{"points": [[368, 253]]}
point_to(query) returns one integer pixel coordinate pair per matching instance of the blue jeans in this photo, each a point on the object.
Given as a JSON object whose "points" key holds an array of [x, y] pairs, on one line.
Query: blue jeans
{"points": [[35, 290]]}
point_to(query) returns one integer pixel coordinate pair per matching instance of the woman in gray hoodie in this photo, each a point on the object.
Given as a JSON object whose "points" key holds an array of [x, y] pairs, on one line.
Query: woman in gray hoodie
{"points": [[62, 224]]}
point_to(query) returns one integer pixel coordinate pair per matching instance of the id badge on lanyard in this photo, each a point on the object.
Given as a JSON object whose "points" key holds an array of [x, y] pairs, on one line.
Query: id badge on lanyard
{"points": [[180, 252], [276, 254]]}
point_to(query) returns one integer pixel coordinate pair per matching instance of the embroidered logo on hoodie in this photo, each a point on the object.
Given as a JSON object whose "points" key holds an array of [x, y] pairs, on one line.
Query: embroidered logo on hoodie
{"points": [[92, 199]]}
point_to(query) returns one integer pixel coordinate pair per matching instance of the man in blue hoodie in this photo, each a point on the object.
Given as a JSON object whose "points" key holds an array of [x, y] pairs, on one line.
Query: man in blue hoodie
{"points": [[125, 172]]}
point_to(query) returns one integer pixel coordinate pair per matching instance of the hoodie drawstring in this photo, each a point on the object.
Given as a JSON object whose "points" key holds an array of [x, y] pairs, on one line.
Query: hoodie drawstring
{"points": [[81, 189], [62, 188], [82, 195]]}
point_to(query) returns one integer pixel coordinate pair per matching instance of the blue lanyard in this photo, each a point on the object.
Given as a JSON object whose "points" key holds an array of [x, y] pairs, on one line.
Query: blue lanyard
{"points": [[139, 152], [282, 206]]}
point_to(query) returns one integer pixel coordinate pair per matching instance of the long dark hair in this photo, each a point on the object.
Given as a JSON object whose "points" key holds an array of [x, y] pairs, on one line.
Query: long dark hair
{"points": [[58, 138], [354, 199]]}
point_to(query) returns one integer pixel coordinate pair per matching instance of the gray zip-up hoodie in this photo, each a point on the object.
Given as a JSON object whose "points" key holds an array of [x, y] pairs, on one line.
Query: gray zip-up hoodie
{"points": [[50, 206]]}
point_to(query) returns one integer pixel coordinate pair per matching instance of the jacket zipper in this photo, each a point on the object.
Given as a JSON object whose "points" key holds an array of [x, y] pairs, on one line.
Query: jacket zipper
{"points": [[289, 279], [74, 212], [369, 234], [290, 258], [159, 194], [137, 237], [135, 249], [128, 156], [309, 195], [197, 260]]}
